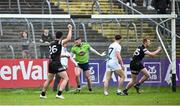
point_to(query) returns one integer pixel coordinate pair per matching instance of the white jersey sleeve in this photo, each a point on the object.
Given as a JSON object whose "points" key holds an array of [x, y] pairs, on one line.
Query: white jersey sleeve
{"points": [[118, 48]]}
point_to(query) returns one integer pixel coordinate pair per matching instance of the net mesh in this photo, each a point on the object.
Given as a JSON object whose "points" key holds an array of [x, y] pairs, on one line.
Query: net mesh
{"points": [[99, 33]]}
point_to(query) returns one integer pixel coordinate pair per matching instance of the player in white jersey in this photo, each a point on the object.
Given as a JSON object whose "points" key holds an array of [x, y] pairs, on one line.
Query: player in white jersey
{"points": [[65, 55], [114, 64]]}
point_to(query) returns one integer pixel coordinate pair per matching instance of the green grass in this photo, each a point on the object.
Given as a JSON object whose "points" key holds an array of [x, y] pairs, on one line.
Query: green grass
{"points": [[149, 96]]}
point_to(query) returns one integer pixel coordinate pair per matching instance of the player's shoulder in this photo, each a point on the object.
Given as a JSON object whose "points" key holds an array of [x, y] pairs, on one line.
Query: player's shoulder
{"points": [[73, 47], [141, 47], [86, 44], [116, 45], [53, 42]]}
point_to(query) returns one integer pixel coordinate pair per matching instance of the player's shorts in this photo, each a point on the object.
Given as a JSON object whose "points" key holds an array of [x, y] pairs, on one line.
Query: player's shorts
{"points": [[136, 67], [113, 66], [84, 66], [55, 67]]}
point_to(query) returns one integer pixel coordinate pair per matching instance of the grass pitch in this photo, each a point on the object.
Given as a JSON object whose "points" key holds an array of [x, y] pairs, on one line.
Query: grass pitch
{"points": [[149, 96]]}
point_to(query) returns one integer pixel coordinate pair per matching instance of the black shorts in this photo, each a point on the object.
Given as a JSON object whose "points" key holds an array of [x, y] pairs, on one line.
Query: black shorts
{"points": [[84, 66], [136, 67], [55, 67]]}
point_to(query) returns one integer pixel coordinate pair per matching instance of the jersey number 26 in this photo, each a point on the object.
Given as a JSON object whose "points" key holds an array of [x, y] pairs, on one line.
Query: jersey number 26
{"points": [[53, 49]]}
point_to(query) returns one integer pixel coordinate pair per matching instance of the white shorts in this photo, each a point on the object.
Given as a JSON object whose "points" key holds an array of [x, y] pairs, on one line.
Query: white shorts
{"points": [[113, 66]]}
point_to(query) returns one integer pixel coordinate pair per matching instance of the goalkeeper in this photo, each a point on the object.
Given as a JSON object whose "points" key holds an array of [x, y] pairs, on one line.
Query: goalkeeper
{"points": [[81, 52]]}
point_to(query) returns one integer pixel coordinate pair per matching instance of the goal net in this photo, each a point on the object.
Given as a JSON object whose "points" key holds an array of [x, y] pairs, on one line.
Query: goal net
{"points": [[99, 32]]}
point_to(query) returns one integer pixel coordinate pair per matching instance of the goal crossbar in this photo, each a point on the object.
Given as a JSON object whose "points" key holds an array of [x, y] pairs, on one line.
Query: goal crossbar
{"points": [[133, 16], [67, 16]]}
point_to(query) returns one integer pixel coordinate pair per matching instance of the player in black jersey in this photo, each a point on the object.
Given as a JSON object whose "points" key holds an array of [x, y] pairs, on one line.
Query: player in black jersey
{"points": [[55, 66], [136, 65]]}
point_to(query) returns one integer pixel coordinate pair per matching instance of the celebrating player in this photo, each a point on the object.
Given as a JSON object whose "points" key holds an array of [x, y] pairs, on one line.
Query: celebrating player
{"points": [[114, 64], [55, 66], [65, 55], [136, 65]]}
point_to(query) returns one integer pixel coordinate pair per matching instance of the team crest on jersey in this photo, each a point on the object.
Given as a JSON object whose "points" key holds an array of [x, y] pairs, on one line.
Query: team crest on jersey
{"points": [[82, 53]]}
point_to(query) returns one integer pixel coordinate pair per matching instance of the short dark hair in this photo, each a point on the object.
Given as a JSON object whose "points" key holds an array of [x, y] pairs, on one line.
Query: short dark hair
{"points": [[78, 38], [59, 34], [145, 40], [117, 37]]}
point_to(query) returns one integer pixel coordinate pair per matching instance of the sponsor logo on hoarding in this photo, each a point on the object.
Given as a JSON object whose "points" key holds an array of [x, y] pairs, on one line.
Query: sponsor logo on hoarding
{"points": [[28, 70], [154, 69], [94, 70]]}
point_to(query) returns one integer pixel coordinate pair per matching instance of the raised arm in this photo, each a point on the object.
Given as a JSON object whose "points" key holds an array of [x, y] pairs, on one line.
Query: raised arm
{"points": [[68, 38]]}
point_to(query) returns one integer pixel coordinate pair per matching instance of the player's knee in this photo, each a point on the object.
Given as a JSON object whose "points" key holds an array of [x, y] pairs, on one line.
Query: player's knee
{"points": [[133, 81], [147, 75], [106, 80], [67, 78], [88, 77], [77, 74], [50, 80], [123, 77]]}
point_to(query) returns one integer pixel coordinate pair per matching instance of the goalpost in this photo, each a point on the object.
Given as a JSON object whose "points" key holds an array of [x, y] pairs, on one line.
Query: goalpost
{"points": [[171, 16]]}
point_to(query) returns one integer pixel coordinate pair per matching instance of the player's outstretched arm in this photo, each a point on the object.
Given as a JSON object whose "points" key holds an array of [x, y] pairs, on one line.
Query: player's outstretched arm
{"points": [[96, 52], [72, 59], [152, 54], [75, 63], [68, 38]]}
